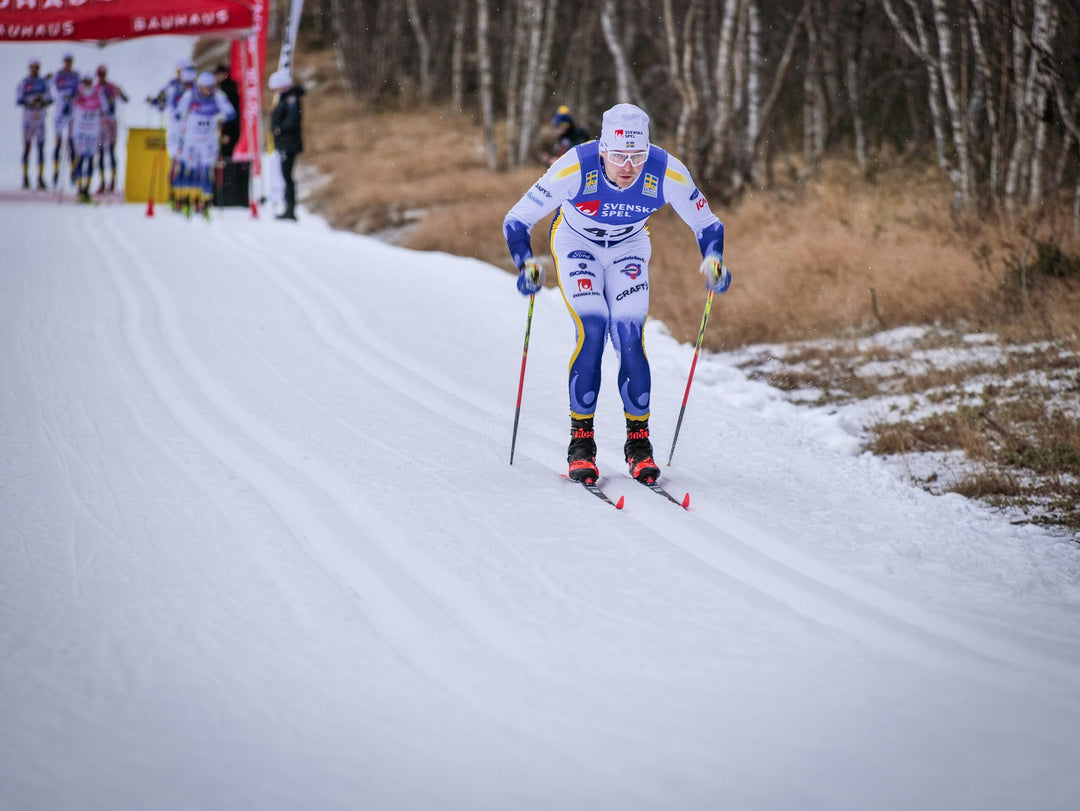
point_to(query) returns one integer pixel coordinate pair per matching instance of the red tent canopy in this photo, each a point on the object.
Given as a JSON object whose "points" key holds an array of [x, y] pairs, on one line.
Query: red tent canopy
{"points": [[105, 20]]}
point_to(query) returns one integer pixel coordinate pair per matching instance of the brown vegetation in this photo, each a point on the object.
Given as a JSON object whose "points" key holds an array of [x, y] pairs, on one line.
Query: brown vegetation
{"points": [[833, 254]]}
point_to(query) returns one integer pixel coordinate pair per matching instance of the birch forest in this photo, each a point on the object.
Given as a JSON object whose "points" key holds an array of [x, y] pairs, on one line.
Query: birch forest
{"points": [[989, 90]]}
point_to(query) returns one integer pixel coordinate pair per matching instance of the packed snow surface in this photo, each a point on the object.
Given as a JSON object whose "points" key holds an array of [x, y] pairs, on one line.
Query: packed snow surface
{"points": [[261, 547]]}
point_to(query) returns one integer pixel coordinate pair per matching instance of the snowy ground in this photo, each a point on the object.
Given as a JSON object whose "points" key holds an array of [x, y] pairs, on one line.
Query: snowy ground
{"points": [[940, 378], [260, 547]]}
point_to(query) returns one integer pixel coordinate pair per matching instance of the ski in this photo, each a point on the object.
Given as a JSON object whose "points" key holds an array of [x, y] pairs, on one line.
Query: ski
{"points": [[660, 491], [594, 488]]}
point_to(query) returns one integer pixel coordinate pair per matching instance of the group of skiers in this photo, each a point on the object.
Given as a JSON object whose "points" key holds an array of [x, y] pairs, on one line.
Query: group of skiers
{"points": [[194, 106], [84, 124]]}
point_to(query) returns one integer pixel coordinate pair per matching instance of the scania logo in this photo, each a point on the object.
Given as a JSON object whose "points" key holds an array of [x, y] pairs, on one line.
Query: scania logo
{"points": [[633, 270]]}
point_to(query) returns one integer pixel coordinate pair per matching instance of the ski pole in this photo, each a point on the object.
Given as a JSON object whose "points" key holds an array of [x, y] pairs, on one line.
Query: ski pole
{"points": [[690, 379], [521, 380]]}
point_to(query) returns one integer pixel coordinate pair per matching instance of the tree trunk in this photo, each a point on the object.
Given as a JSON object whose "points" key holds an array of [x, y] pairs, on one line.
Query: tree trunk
{"points": [[457, 56], [854, 59], [919, 45], [723, 112], [348, 23], [769, 106], [516, 50], [815, 113], [626, 89], [533, 27], [1042, 50], [956, 107], [680, 70], [423, 48], [534, 99], [755, 162], [487, 84], [1027, 94], [985, 78]]}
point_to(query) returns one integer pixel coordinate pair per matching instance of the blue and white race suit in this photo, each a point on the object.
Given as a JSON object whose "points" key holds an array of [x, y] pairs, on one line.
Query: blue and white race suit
{"points": [[199, 149], [66, 83], [602, 250], [33, 95], [174, 122]]}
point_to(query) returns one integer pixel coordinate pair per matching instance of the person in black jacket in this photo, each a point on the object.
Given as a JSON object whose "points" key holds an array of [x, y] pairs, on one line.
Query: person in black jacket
{"points": [[567, 134], [230, 130], [286, 124]]}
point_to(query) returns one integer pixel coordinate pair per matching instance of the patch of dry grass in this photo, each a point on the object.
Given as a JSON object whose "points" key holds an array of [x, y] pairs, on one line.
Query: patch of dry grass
{"points": [[1021, 456], [1010, 411]]}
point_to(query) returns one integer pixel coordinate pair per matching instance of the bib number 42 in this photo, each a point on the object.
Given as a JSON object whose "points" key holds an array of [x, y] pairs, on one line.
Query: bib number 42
{"points": [[605, 233]]}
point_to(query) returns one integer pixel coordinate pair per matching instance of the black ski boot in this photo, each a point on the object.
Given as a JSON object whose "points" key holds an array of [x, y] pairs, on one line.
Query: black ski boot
{"points": [[638, 451], [582, 451]]}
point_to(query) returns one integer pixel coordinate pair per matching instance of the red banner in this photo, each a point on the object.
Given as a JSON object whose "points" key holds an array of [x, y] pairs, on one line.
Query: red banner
{"points": [[105, 20], [246, 66]]}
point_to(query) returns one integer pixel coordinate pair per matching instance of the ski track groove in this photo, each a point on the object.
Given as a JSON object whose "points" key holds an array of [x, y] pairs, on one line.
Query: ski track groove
{"points": [[460, 600], [430, 385], [747, 554], [383, 608], [393, 618]]}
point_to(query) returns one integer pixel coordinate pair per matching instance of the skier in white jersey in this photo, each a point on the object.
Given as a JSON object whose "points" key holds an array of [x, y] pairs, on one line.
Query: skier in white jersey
{"points": [[33, 95], [166, 101], [200, 108], [88, 109], [66, 82], [605, 191]]}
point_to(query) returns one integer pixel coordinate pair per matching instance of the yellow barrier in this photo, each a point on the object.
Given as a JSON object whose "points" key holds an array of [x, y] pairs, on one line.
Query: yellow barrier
{"points": [[146, 176]]}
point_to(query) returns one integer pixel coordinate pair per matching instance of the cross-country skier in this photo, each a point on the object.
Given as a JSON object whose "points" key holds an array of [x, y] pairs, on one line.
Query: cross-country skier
{"points": [[33, 95], [167, 101], [605, 191], [113, 93], [65, 81], [87, 113], [201, 109]]}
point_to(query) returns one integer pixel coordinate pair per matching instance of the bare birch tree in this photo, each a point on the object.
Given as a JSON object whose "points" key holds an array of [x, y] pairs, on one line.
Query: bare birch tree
{"points": [[487, 83], [854, 50], [723, 101], [458, 55], [680, 52], [626, 86], [956, 105], [988, 95], [423, 47], [541, 39], [919, 44]]}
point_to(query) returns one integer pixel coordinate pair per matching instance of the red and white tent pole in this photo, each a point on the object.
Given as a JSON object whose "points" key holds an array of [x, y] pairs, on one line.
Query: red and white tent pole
{"points": [[247, 58]]}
